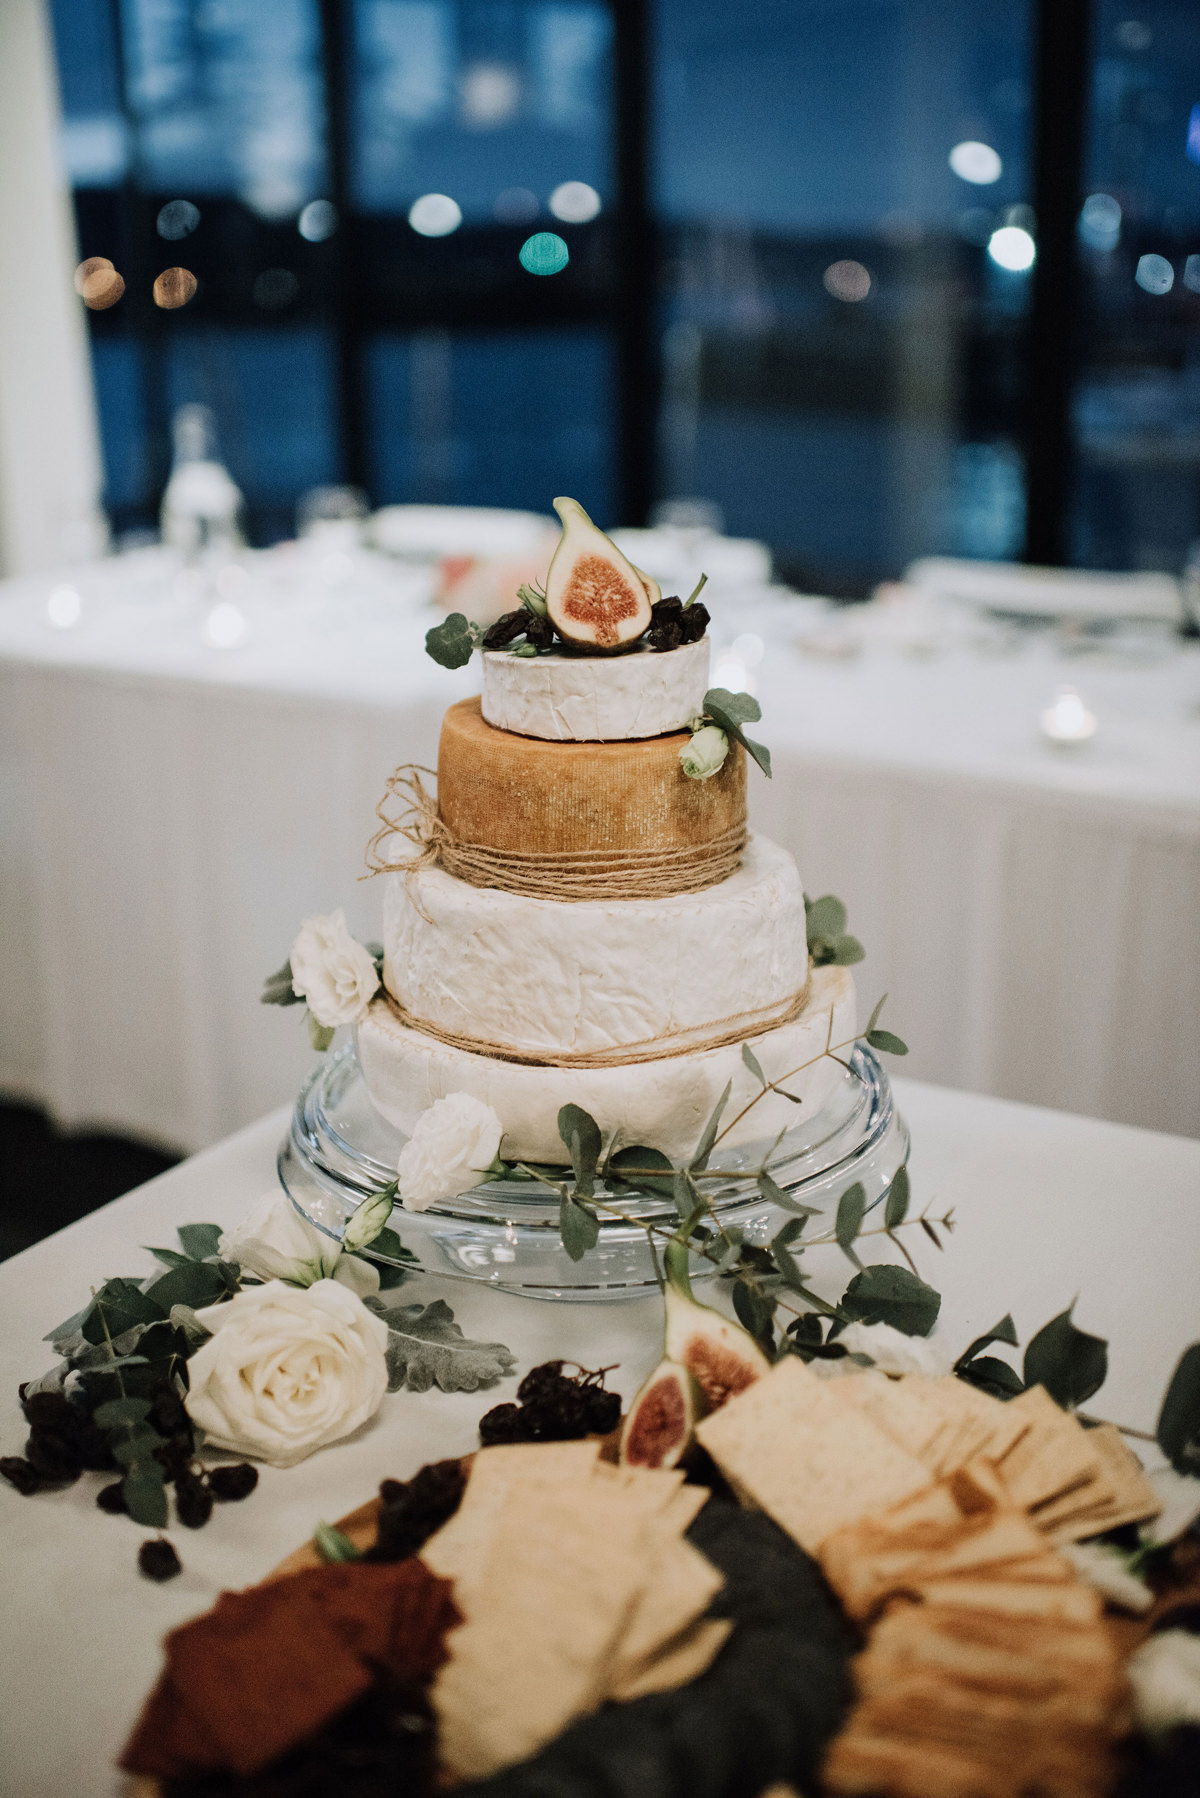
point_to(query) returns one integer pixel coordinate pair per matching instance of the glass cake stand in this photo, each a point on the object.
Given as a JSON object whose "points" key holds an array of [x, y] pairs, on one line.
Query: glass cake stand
{"points": [[339, 1150]]}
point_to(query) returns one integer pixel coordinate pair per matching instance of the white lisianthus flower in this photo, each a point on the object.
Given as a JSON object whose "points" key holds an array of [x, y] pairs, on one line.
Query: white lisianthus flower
{"points": [[1165, 1676], [704, 753], [332, 972], [894, 1352], [273, 1242], [452, 1147], [287, 1370]]}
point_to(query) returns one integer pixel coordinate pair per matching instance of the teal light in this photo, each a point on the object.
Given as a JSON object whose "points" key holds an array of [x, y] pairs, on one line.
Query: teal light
{"points": [[544, 254]]}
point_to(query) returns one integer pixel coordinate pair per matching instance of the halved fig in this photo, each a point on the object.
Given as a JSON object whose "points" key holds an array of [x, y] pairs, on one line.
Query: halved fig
{"points": [[661, 1419], [596, 599], [721, 1357]]}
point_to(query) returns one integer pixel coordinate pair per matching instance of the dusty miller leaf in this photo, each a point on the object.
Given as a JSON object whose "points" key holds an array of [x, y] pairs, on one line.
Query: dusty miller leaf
{"points": [[426, 1348]]}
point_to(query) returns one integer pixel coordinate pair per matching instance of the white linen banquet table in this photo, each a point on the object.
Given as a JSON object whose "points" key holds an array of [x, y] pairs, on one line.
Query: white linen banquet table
{"points": [[1049, 1208], [185, 775]]}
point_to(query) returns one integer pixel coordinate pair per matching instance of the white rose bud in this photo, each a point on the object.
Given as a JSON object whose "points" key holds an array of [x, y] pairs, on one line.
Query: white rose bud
{"points": [[451, 1149], [894, 1352], [275, 1243], [332, 972], [704, 754], [370, 1218], [287, 1370]]}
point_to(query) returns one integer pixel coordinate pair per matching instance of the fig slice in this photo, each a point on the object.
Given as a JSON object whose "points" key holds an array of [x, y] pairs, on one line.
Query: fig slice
{"points": [[658, 1429], [722, 1358], [596, 599]]}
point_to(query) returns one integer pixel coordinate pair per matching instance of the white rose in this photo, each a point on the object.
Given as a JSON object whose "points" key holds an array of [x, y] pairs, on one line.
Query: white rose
{"points": [[286, 1370], [332, 972], [1165, 1676], [704, 753], [275, 1243], [894, 1352], [452, 1146]]}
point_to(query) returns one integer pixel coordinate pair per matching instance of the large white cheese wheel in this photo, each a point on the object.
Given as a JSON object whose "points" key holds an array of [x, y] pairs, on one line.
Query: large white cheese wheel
{"points": [[660, 1104], [533, 975], [595, 699]]}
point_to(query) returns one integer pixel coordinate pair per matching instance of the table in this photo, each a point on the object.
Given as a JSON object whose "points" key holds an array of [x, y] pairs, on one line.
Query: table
{"points": [[1048, 1207], [187, 771]]}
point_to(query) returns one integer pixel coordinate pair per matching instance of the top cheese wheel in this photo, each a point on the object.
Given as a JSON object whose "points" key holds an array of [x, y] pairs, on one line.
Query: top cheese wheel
{"points": [[529, 797], [595, 699]]}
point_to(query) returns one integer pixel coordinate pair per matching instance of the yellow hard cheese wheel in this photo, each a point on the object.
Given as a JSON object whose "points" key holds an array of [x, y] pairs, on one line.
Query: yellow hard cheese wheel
{"points": [[528, 795]]}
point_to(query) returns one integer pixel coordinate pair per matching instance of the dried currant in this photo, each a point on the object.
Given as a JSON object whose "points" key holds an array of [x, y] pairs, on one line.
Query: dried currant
{"points": [[167, 1413], [695, 621], [228, 1484], [538, 630], [158, 1560], [193, 1501], [411, 1510], [20, 1473], [112, 1498]]}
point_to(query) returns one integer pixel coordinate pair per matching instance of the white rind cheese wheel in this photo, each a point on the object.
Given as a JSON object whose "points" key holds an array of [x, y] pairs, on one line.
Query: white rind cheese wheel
{"points": [[539, 977], [595, 699], [662, 1104]]}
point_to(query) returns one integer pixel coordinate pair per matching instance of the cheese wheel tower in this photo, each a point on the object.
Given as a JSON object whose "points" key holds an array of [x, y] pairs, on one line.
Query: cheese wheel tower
{"points": [[597, 928]]}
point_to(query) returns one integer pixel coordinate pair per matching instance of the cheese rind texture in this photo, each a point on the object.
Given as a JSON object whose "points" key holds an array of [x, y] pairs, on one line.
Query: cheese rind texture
{"points": [[515, 793], [663, 1104], [595, 699], [533, 975]]}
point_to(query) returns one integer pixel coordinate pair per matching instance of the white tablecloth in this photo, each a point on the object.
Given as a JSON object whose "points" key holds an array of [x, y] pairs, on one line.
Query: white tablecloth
{"points": [[173, 809], [1048, 1206]]}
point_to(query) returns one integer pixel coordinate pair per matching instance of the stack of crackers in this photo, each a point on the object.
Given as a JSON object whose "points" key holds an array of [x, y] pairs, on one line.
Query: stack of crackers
{"points": [[934, 1510], [576, 1587]]}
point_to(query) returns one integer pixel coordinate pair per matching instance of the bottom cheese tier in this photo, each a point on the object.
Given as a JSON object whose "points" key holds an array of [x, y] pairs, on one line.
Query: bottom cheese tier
{"points": [[661, 1104]]}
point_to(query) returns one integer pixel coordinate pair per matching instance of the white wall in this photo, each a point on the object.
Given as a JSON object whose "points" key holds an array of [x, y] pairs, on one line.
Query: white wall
{"points": [[49, 448]]}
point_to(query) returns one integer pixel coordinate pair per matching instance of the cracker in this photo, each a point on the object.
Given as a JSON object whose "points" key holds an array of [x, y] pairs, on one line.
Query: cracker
{"points": [[461, 1548], [1053, 1457], [1072, 1601], [808, 1460], [681, 1584], [686, 1658], [543, 1619]]}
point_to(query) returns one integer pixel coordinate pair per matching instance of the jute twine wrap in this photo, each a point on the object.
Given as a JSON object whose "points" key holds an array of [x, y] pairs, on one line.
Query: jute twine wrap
{"points": [[694, 1041], [578, 875]]}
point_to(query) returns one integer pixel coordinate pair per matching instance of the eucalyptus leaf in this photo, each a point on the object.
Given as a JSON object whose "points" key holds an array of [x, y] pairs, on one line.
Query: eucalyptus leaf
{"points": [[1178, 1427], [788, 1268], [121, 1412], [581, 1134], [1069, 1363], [992, 1375], [194, 1283], [145, 1493], [826, 917], [119, 1305], [895, 1208], [200, 1240], [70, 1329], [751, 1061], [791, 1231], [138, 1445], [184, 1319], [684, 1194], [452, 643], [886, 1294], [851, 1207], [727, 711], [754, 1313], [319, 1035], [334, 1545], [278, 988], [426, 1348], [875, 1015], [704, 1147], [1005, 1331], [578, 1227], [847, 950], [775, 1195], [169, 1257], [661, 1181], [887, 1042]]}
